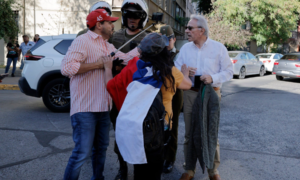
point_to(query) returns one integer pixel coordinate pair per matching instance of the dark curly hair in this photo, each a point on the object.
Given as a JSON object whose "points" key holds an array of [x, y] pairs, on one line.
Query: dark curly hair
{"points": [[162, 65]]}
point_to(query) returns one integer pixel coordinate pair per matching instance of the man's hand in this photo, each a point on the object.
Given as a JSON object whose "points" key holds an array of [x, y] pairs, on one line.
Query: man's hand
{"points": [[108, 62], [99, 64], [185, 70], [207, 79], [192, 71]]}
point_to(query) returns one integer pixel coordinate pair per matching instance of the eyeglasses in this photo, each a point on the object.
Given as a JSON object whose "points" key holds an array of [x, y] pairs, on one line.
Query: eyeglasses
{"points": [[191, 28]]}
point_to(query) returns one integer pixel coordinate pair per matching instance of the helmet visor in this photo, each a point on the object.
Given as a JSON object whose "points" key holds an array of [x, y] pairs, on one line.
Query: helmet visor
{"points": [[133, 14]]}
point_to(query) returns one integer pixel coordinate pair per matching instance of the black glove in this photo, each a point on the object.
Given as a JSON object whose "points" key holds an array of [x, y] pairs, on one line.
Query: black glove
{"points": [[117, 64]]}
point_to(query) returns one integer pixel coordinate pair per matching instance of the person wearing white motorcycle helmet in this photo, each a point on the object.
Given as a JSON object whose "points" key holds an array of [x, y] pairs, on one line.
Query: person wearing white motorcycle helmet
{"points": [[134, 18], [97, 5]]}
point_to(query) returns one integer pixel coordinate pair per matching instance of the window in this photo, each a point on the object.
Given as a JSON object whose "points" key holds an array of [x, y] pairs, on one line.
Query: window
{"points": [[63, 46], [243, 56], [251, 56], [233, 55], [276, 56], [291, 57], [264, 56]]}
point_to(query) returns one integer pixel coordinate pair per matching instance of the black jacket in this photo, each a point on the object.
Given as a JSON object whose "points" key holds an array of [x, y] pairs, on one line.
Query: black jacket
{"points": [[204, 129]]}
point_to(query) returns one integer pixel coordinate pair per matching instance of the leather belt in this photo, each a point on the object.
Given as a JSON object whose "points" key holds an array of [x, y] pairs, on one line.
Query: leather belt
{"points": [[197, 89]]}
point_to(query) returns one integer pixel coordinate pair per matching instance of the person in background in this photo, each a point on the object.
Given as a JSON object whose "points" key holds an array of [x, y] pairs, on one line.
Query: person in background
{"points": [[90, 101], [97, 5], [12, 56], [36, 38], [208, 59], [134, 18], [177, 103], [25, 46]]}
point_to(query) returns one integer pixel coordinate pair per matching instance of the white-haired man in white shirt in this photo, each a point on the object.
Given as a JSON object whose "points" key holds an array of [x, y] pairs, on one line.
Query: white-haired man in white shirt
{"points": [[210, 60]]}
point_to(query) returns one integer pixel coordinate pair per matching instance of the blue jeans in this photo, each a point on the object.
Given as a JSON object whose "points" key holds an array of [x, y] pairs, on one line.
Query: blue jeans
{"points": [[9, 60], [90, 134]]}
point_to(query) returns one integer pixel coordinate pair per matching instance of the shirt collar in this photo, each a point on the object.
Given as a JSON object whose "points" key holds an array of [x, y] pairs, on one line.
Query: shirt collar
{"points": [[94, 35], [174, 49], [205, 44]]}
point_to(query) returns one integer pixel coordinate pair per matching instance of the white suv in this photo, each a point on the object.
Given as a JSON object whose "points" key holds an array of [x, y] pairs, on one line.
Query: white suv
{"points": [[41, 76]]}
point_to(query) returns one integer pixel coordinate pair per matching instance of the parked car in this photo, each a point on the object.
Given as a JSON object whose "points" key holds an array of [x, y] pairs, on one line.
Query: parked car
{"points": [[268, 59], [287, 66], [41, 76], [245, 63]]}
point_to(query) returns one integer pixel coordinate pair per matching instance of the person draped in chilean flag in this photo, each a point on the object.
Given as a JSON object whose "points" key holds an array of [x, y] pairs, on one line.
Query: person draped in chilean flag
{"points": [[133, 91]]}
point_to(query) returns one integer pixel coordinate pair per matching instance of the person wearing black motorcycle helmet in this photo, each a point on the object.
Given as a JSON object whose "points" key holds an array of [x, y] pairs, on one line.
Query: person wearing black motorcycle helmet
{"points": [[134, 19], [97, 5]]}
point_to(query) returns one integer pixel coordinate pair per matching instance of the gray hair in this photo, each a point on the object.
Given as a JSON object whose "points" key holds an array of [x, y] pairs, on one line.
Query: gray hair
{"points": [[201, 22]]}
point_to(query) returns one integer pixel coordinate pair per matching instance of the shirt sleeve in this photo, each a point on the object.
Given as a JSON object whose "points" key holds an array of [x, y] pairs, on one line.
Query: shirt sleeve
{"points": [[226, 70], [178, 76], [124, 56], [179, 60], [75, 56]]}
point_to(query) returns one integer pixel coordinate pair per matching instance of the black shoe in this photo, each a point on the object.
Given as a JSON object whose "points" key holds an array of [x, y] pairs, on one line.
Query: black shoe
{"points": [[122, 174], [12, 75], [123, 171], [168, 167]]}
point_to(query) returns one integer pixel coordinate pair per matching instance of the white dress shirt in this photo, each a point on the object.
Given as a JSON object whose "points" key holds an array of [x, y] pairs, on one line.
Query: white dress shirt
{"points": [[211, 59], [25, 47]]}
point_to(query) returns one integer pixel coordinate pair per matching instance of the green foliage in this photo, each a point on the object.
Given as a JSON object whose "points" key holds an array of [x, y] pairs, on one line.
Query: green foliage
{"points": [[204, 6], [271, 20], [8, 26], [182, 20]]}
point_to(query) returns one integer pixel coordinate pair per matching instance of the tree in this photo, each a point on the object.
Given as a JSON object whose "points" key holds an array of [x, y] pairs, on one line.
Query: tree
{"points": [[231, 36], [8, 25], [204, 6], [271, 20]]}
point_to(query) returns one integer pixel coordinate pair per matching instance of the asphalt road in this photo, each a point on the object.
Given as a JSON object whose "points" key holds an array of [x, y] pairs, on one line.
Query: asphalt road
{"points": [[259, 135]]}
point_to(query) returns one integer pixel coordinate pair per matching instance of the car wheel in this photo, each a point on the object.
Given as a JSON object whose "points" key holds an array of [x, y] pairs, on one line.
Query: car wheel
{"points": [[280, 78], [56, 96], [262, 71], [242, 74]]}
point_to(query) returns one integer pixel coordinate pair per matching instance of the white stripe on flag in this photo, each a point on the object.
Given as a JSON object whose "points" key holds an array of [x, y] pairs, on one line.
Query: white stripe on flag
{"points": [[129, 126]]}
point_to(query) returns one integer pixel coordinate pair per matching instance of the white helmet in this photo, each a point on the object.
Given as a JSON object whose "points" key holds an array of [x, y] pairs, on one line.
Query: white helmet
{"points": [[101, 5], [138, 8]]}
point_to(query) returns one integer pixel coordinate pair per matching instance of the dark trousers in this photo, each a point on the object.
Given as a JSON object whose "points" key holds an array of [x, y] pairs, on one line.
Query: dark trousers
{"points": [[90, 134], [113, 118], [171, 149], [150, 171]]}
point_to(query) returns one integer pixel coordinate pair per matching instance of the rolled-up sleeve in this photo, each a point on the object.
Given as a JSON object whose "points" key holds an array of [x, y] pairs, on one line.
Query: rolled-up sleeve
{"points": [[75, 56], [226, 71], [124, 56]]}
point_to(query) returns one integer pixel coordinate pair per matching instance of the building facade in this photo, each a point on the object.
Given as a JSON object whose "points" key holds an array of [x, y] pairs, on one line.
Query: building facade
{"points": [[54, 17]]}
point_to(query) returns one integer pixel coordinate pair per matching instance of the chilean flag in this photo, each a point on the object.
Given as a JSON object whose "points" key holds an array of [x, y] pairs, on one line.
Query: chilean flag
{"points": [[133, 92]]}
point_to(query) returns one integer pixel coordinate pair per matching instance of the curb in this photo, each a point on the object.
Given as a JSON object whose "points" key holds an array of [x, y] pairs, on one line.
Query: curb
{"points": [[9, 87]]}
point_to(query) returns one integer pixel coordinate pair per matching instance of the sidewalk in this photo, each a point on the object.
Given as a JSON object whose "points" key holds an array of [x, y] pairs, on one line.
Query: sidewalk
{"points": [[10, 83]]}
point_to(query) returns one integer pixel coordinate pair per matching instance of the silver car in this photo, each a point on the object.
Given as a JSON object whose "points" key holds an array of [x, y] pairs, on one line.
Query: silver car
{"points": [[287, 66], [245, 63]]}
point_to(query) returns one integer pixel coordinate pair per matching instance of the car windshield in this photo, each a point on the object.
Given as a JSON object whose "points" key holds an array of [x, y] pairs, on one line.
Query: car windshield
{"points": [[291, 57], [233, 55], [264, 56]]}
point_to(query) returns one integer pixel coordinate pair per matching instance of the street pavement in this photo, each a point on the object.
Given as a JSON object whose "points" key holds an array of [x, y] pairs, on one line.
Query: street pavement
{"points": [[258, 135]]}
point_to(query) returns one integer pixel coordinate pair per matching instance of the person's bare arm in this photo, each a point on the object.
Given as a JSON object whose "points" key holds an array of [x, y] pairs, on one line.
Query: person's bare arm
{"points": [[186, 83], [91, 66], [108, 69]]}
